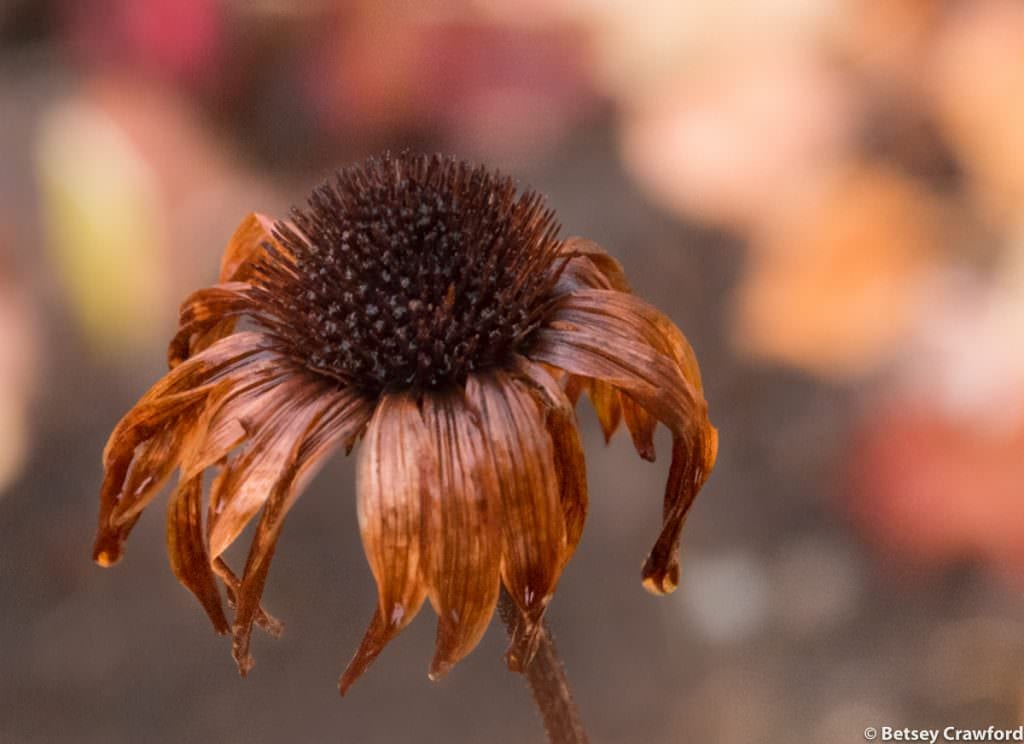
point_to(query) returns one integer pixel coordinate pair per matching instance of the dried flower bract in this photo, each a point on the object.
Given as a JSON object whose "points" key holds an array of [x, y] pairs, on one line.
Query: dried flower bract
{"points": [[429, 309]]}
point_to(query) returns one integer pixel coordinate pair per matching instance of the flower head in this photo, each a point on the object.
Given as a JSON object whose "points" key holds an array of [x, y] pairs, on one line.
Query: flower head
{"points": [[427, 308]]}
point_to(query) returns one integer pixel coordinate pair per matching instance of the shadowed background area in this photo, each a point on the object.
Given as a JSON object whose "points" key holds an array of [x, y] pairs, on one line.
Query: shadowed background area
{"points": [[827, 197]]}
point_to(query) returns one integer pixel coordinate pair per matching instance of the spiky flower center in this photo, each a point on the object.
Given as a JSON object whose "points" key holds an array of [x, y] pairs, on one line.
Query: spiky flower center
{"points": [[413, 271]]}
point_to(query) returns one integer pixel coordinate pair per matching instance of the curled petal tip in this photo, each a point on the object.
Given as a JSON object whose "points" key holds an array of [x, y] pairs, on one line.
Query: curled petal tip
{"points": [[355, 669], [346, 680], [105, 559], [245, 664], [661, 580], [438, 669], [274, 627], [106, 552], [376, 637], [647, 453], [240, 650], [269, 623]]}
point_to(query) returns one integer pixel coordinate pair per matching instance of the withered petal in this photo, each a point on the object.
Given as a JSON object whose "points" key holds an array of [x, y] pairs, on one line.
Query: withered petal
{"points": [[650, 324], [232, 587], [211, 314], [335, 416], [569, 460], [391, 478], [154, 431], [533, 540], [605, 399], [589, 267], [461, 540], [377, 636], [246, 246], [186, 548], [602, 334], [575, 386], [275, 418], [154, 461], [571, 469], [640, 425], [687, 474], [542, 381], [231, 409], [206, 316], [621, 340]]}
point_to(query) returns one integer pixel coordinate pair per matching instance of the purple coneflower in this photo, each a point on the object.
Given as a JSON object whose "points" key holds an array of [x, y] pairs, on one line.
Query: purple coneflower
{"points": [[426, 307]]}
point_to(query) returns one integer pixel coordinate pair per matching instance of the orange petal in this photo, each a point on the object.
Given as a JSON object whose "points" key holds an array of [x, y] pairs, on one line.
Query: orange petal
{"points": [[687, 474], [569, 462], [275, 420], [575, 386], [391, 478], [605, 399], [533, 540], [232, 587], [186, 548], [623, 341], [542, 381], [589, 267], [608, 335], [154, 461], [206, 316], [335, 416], [231, 407], [571, 469], [246, 247], [641, 426], [152, 433], [461, 528], [377, 636], [212, 313]]}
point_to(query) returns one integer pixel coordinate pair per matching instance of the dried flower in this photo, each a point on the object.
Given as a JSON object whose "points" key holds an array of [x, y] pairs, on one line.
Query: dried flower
{"points": [[426, 307]]}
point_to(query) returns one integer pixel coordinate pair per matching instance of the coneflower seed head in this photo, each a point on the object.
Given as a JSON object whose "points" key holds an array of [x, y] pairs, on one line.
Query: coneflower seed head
{"points": [[410, 272]]}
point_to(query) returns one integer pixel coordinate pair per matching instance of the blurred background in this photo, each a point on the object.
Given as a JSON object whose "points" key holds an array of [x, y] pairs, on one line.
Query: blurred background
{"points": [[826, 195]]}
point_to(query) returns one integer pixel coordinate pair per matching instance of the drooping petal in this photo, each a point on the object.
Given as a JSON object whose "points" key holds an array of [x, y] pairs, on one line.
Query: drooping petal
{"points": [[542, 380], [623, 341], [687, 474], [571, 469], [641, 426], [605, 399], [575, 386], [155, 460], [589, 267], [206, 316], [217, 431], [336, 416], [461, 545], [391, 481], [211, 314], [246, 246], [533, 541], [149, 432], [569, 461], [232, 410], [186, 548], [233, 587], [275, 420]]}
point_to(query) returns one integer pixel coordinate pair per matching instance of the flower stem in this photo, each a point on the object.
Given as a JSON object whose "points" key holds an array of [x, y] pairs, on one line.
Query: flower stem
{"points": [[548, 682]]}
